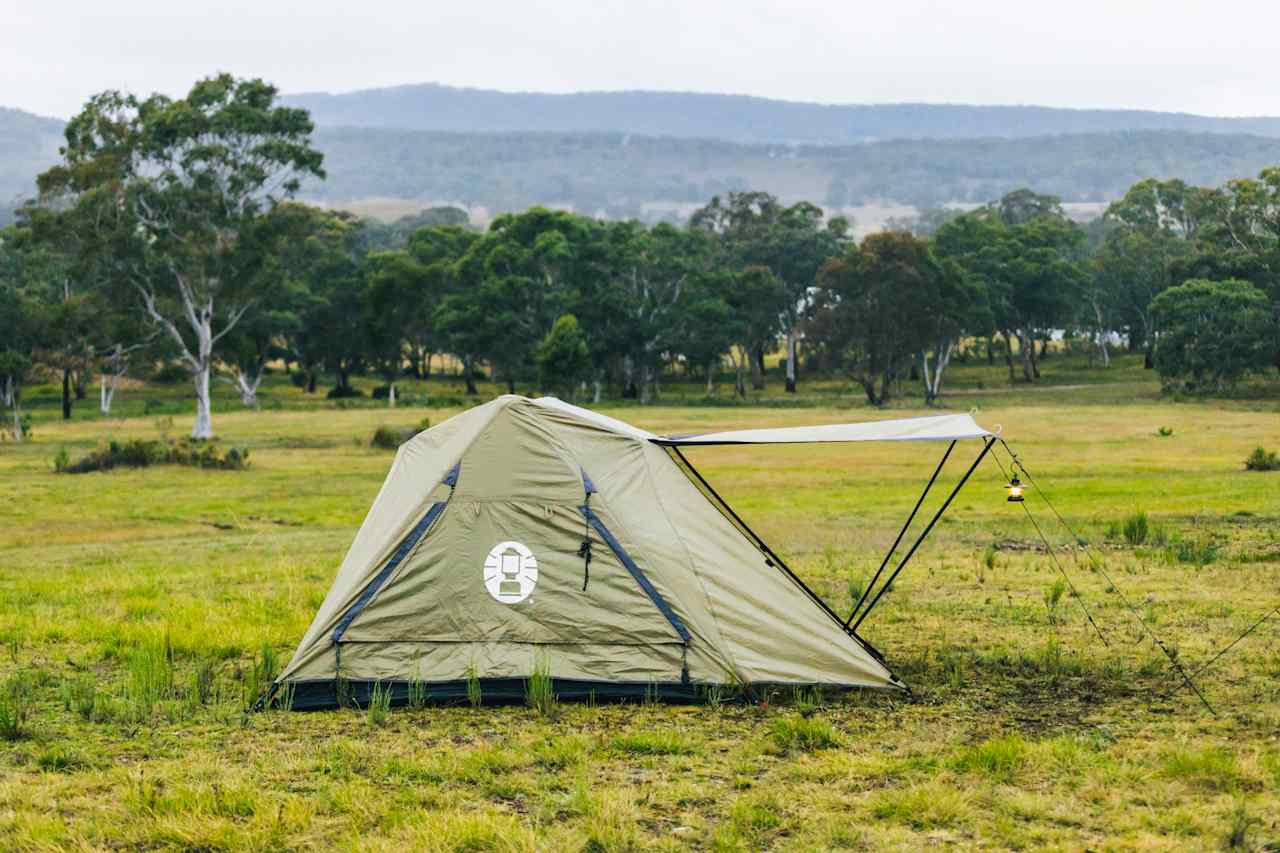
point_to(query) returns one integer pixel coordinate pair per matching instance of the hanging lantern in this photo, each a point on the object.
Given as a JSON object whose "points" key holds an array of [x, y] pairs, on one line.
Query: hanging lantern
{"points": [[1015, 490]]}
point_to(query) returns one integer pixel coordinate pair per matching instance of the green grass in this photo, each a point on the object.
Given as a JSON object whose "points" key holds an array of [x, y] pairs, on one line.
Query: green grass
{"points": [[143, 610]]}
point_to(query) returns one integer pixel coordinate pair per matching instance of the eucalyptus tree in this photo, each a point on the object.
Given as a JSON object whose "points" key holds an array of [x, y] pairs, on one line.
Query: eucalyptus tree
{"points": [[1156, 228], [512, 284], [327, 268], [1029, 258], [24, 325], [707, 329], [651, 269], [183, 195], [564, 361], [794, 243], [876, 309], [430, 273], [1212, 333]]}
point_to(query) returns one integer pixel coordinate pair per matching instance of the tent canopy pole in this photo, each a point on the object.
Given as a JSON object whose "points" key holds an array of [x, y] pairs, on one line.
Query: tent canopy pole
{"points": [[919, 539], [903, 532]]}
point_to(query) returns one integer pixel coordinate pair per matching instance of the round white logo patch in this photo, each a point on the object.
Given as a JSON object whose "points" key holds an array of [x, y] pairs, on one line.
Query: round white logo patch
{"points": [[510, 572]]}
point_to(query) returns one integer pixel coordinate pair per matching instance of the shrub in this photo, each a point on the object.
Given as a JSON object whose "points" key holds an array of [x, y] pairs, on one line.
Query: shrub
{"points": [[1164, 432], [1262, 460], [81, 696], [665, 742], [999, 759], [261, 675], [474, 696], [149, 677], [806, 734], [141, 453], [538, 693], [61, 460], [1201, 552], [379, 704], [15, 707], [390, 438], [1136, 528], [343, 392], [1053, 597]]}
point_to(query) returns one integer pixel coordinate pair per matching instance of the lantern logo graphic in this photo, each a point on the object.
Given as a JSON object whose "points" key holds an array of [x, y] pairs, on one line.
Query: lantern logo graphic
{"points": [[510, 572]]}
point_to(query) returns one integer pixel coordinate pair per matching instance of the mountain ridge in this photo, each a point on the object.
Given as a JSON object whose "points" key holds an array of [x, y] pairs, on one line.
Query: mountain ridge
{"points": [[732, 118]]}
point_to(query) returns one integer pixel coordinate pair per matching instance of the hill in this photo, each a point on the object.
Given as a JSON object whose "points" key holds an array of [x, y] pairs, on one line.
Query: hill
{"points": [[28, 144], [735, 118], [622, 175]]}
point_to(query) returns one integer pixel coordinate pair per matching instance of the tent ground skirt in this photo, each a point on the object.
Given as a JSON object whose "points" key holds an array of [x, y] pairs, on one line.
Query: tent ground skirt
{"points": [[324, 695]]}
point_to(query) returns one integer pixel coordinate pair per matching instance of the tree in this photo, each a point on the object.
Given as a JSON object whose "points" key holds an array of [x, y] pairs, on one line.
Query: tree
{"points": [[792, 242], [330, 269], [1029, 257], [1211, 333], [1156, 226], [435, 252], [24, 322], [563, 359], [184, 195], [953, 304], [650, 270], [511, 285], [707, 327], [754, 294], [871, 310]]}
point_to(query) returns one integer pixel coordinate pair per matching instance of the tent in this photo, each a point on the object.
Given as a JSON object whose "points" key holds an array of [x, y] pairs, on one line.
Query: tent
{"points": [[530, 535]]}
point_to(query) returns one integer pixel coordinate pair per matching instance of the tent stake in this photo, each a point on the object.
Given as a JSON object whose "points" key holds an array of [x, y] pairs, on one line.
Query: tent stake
{"points": [[901, 533], [937, 515]]}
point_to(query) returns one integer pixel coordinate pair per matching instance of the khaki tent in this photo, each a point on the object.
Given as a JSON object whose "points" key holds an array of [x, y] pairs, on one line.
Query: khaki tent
{"points": [[529, 534]]}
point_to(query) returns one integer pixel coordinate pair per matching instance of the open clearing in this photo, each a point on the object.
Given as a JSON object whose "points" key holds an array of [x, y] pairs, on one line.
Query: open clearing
{"points": [[134, 605]]}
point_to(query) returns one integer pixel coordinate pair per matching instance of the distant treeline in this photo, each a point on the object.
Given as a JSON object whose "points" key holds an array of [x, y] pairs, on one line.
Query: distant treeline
{"points": [[736, 118], [167, 236], [621, 175]]}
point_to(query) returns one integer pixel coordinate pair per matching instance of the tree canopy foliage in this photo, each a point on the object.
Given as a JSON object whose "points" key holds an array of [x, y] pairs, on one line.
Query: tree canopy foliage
{"points": [[168, 235]]}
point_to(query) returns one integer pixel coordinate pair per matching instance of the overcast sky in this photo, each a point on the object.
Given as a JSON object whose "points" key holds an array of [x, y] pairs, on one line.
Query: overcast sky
{"points": [[1217, 58]]}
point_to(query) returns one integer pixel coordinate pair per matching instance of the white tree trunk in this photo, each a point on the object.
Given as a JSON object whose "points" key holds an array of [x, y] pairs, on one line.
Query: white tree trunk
{"points": [[595, 390], [933, 376], [203, 428], [791, 358], [108, 392], [9, 396], [1102, 334], [247, 387], [391, 396], [740, 355], [198, 313], [712, 366]]}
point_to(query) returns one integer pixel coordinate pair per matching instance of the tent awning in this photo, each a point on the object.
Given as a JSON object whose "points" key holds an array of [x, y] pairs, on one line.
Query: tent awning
{"points": [[937, 428]]}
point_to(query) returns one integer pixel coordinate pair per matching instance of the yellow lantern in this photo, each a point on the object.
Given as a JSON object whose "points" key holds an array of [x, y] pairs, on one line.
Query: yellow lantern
{"points": [[1015, 490]]}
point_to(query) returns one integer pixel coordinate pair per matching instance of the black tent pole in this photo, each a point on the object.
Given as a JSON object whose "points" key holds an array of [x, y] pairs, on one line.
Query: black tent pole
{"points": [[770, 557], [987, 447], [903, 532]]}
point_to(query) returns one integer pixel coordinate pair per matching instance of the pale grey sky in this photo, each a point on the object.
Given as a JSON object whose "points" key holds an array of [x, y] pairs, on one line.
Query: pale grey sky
{"points": [[1217, 58]]}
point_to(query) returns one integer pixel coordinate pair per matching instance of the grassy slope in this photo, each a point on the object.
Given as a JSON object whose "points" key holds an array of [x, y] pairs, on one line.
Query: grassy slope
{"points": [[1024, 729]]}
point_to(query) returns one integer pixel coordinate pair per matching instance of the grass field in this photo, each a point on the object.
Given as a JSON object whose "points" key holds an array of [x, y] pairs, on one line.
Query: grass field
{"points": [[138, 609]]}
